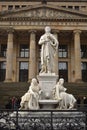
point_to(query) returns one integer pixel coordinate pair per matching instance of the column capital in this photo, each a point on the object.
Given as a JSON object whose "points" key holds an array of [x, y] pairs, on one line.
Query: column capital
{"points": [[10, 30], [77, 31], [32, 31]]}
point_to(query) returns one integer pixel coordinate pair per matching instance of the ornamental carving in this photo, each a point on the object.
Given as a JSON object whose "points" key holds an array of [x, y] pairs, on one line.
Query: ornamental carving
{"points": [[44, 13]]}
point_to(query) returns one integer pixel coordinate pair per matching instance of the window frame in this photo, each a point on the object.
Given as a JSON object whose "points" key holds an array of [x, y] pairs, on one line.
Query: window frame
{"points": [[61, 51], [3, 50], [83, 51], [24, 51], [23, 72], [2, 70]]}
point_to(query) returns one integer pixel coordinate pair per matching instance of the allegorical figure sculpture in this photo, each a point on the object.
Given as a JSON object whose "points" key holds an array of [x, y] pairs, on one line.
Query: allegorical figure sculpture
{"points": [[66, 101], [49, 47], [30, 99], [58, 88]]}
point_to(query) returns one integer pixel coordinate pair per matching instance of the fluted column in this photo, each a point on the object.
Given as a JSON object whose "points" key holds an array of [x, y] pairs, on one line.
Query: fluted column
{"points": [[78, 75], [32, 58], [56, 70], [9, 59]]}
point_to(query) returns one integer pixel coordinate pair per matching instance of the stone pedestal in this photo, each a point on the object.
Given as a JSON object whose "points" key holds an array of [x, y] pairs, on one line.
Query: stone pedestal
{"points": [[48, 104], [47, 83]]}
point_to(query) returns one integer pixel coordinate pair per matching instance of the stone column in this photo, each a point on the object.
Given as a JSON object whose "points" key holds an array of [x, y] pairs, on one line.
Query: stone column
{"points": [[78, 76], [56, 70], [9, 60], [32, 57]]}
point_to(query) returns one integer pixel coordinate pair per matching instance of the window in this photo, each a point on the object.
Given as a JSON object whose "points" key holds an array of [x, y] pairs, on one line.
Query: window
{"points": [[17, 6], [24, 50], [84, 71], [3, 49], [84, 65], [63, 51], [10, 7], [39, 51], [70, 7], [62, 66], [23, 71], [76, 7], [63, 70], [23, 6], [63, 6], [39, 66], [83, 51], [2, 70]]}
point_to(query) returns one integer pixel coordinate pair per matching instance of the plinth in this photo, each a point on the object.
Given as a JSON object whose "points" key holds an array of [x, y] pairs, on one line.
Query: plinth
{"points": [[47, 82], [48, 104]]}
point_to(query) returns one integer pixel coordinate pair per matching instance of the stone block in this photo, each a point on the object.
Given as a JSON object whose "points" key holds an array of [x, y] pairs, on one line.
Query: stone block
{"points": [[47, 82]]}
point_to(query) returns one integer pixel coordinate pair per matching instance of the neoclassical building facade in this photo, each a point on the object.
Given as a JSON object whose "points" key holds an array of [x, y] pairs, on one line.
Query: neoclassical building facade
{"points": [[21, 26]]}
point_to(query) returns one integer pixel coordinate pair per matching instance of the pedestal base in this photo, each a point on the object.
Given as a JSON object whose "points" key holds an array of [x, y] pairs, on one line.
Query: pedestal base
{"points": [[48, 104], [47, 83]]}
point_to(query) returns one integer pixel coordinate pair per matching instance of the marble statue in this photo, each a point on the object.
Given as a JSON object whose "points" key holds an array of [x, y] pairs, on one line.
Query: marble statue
{"points": [[30, 99], [58, 88], [67, 101], [49, 47], [48, 93]]}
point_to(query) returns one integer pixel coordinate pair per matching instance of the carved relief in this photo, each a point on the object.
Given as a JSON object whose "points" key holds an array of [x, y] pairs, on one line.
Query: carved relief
{"points": [[45, 13]]}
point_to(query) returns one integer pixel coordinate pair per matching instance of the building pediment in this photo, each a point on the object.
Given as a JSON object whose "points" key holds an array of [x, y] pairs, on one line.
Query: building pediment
{"points": [[43, 12]]}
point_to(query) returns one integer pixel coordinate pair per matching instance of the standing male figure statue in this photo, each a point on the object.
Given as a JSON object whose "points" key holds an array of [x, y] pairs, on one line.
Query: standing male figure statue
{"points": [[49, 47]]}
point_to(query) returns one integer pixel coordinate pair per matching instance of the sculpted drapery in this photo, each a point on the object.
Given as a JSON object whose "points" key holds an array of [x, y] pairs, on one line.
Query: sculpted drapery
{"points": [[30, 99], [66, 100], [49, 47]]}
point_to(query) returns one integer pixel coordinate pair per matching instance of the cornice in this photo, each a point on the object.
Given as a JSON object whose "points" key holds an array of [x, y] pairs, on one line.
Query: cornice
{"points": [[44, 19], [43, 12], [44, 6]]}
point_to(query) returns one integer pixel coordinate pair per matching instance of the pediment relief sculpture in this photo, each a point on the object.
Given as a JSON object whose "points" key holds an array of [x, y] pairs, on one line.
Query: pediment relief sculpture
{"points": [[44, 13]]}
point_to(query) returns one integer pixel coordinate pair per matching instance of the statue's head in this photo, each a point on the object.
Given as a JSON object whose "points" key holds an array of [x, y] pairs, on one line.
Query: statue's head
{"points": [[47, 29], [61, 81], [34, 81]]}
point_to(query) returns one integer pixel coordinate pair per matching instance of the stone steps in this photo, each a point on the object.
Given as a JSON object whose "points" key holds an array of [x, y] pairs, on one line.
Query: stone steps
{"points": [[18, 89], [8, 90], [77, 89]]}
